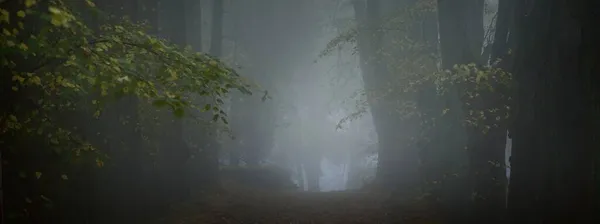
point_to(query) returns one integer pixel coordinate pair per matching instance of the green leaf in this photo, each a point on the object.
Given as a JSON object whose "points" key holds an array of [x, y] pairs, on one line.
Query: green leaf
{"points": [[21, 13], [4, 16], [160, 103], [179, 112]]}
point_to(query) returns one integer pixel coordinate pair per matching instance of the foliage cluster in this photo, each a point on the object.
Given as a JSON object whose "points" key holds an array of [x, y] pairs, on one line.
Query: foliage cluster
{"points": [[60, 70], [415, 67]]}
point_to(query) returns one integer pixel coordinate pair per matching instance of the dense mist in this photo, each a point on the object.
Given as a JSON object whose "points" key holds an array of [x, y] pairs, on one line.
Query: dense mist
{"points": [[299, 111]]}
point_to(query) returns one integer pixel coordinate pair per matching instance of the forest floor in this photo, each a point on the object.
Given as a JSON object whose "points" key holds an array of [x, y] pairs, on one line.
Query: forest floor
{"points": [[275, 207]]}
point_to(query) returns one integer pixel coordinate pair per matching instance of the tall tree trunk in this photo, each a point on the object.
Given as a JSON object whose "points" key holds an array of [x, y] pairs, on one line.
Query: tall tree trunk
{"points": [[250, 115], [126, 148], [1, 192], [210, 146], [461, 39], [553, 143], [503, 29], [216, 40], [194, 10], [398, 157], [174, 150]]}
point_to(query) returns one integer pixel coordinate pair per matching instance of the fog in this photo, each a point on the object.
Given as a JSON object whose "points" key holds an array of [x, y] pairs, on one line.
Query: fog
{"points": [[299, 111], [317, 101]]}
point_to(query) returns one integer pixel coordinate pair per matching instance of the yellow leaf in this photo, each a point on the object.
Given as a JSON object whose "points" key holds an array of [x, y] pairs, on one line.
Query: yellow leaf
{"points": [[59, 17], [36, 80], [90, 3], [54, 10], [23, 46], [29, 3], [21, 13], [4, 16], [99, 162], [64, 177], [38, 175]]}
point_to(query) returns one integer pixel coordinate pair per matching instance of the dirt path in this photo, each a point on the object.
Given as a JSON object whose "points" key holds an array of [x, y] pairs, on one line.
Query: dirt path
{"points": [[296, 208]]}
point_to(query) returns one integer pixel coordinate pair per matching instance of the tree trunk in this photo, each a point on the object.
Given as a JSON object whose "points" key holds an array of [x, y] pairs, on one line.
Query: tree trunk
{"points": [[194, 10], [251, 119], [555, 127], [210, 147], [398, 158], [461, 38], [174, 150], [504, 27], [216, 40], [1, 191]]}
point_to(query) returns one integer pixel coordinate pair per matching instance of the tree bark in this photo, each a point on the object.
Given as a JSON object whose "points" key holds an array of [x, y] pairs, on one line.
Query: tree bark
{"points": [[216, 40], [555, 128], [173, 149], [461, 38], [194, 10], [398, 158]]}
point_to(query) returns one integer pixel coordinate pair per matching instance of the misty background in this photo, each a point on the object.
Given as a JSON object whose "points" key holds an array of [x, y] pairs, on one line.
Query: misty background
{"points": [[299, 111]]}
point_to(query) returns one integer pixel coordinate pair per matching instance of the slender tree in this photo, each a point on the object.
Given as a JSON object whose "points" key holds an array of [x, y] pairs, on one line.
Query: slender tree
{"points": [[398, 166], [174, 151], [461, 37]]}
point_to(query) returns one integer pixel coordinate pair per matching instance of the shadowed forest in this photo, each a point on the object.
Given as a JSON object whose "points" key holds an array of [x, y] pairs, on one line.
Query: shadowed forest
{"points": [[299, 111]]}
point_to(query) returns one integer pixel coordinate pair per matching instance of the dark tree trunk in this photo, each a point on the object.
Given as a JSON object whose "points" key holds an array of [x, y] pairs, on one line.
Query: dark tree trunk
{"points": [[398, 158], [555, 128], [195, 24], [461, 38], [216, 40], [503, 29], [209, 146], [251, 117], [173, 149], [312, 171]]}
